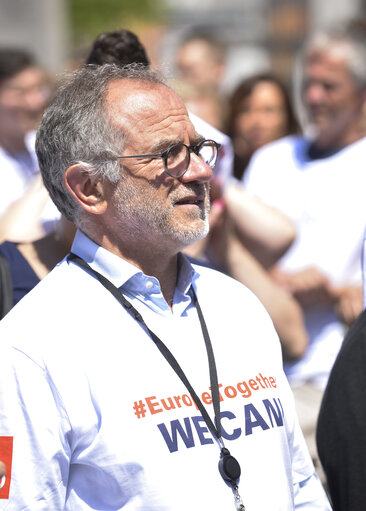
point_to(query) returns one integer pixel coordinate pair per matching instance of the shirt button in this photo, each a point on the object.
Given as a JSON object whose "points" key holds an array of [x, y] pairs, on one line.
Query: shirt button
{"points": [[149, 284]]}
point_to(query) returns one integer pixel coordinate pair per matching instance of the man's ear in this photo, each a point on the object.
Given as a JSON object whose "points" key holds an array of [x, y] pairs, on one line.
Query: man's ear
{"points": [[86, 189]]}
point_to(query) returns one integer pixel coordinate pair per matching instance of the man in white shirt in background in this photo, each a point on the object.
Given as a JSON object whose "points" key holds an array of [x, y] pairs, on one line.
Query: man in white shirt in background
{"points": [[319, 181], [92, 414]]}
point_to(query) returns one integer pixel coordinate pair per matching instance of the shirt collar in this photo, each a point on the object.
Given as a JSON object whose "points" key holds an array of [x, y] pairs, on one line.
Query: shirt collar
{"points": [[114, 268], [132, 281]]}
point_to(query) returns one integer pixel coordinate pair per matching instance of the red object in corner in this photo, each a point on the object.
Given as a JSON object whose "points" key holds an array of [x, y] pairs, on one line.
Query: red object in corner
{"points": [[6, 456]]}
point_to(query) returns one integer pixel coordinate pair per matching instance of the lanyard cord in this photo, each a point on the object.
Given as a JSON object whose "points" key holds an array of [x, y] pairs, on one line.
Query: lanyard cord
{"points": [[213, 373], [216, 431], [229, 468]]}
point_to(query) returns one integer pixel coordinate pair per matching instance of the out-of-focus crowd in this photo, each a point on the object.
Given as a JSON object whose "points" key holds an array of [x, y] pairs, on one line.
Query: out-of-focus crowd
{"points": [[288, 208]]}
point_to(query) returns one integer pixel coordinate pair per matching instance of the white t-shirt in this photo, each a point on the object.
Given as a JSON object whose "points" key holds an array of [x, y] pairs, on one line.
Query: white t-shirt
{"points": [[99, 420], [325, 198]]}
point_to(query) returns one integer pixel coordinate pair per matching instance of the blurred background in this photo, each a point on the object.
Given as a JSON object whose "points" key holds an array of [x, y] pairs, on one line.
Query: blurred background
{"points": [[257, 35]]}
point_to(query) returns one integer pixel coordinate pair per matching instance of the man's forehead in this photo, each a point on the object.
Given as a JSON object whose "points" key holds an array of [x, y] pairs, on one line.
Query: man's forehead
{"points": [[147, 103], [332, 58], [128, 93]]}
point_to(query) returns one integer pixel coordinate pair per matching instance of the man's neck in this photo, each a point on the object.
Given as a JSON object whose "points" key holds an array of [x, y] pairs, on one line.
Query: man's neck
{"points": [[336, 137], [157, 261], [167, 274], [163, 268], [319, 148], [317, 153]]}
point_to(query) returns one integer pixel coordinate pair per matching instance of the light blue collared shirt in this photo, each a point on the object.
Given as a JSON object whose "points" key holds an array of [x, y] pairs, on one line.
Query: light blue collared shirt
{"points": [[132, 282]]}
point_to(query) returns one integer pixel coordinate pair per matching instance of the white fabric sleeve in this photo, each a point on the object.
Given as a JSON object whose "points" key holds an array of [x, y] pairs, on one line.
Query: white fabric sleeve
{"points": [[309, 495], [31, 413]]}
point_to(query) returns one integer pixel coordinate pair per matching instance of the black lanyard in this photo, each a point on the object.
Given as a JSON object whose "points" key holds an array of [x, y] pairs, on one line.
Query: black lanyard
{"points": [[229, 468]]}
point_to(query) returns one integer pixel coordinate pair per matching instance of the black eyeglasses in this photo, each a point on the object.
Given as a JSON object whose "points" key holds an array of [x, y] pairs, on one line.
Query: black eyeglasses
{"points": [[177, 158]]}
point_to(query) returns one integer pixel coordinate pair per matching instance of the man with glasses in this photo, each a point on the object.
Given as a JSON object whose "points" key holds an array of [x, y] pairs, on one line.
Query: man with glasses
{"points": [[131, 379]]}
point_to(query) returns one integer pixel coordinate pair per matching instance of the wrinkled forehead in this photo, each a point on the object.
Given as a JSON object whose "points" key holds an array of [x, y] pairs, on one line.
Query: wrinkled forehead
{"points": [[328, 66], [141, 106]]}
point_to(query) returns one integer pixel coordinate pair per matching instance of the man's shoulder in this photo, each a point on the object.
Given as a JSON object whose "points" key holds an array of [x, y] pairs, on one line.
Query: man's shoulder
{"points": [[55, 313], [217, 287], [45, 303], [355, 150], [34, 320], [229, 306], [208, 274]]}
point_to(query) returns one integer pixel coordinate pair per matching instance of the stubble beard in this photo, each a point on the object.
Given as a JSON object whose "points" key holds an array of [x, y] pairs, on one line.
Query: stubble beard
{"points": [[144, 217]]}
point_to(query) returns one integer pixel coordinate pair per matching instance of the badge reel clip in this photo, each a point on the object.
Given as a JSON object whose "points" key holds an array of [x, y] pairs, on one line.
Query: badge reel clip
{"points": [[230, 471]]}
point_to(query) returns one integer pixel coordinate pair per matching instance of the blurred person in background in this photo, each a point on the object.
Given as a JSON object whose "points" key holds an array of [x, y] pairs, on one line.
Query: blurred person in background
{"points": [[25, 91], [318, 181], [202, 101], [200, 68], [259, 111], [201, 60]]}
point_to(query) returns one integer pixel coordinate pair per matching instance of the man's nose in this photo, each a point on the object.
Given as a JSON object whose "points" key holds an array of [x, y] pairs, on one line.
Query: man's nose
{"points": [[314, 93], [197, 170]]}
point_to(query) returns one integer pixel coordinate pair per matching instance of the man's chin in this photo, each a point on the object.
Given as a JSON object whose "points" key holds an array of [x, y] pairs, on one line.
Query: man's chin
{"points": [[320, 121], [195, 233]]}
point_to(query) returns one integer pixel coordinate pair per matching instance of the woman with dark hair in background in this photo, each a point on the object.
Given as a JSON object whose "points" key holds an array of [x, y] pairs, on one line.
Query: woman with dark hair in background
{"points": [[260, 111]]}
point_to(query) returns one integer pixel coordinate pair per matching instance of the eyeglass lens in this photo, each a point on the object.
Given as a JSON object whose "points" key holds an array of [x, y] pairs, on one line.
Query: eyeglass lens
{"points": [[208, 152], [177, 158]]}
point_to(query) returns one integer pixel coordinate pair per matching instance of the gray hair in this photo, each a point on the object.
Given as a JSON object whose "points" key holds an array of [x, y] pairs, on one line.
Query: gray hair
{"points": [[76, 129], [347, 40]]}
